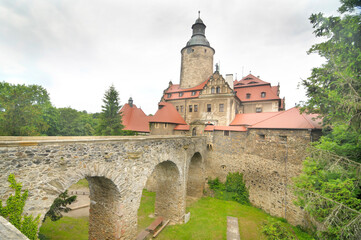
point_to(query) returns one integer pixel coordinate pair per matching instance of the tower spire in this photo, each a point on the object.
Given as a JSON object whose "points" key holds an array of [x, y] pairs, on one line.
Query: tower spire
{"points": [[199, 14]]}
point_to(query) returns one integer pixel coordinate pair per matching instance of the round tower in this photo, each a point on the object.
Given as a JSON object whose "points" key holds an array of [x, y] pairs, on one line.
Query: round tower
{"points": [[197, 57]]}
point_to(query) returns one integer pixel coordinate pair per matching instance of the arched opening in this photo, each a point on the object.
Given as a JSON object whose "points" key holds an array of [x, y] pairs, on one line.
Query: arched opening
{"points": [[195, 182], [96, 212], [194, 132]]}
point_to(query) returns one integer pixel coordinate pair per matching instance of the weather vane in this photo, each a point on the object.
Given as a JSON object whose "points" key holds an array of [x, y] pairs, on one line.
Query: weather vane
{"points": [[199, 14]]}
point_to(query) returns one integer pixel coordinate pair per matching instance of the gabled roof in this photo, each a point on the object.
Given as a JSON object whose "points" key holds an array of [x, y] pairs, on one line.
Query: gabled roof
{"points": [[290, 119], [255, 93], [134, 118], [167, 114], [248, 81], [247, 119], [175, 89]]}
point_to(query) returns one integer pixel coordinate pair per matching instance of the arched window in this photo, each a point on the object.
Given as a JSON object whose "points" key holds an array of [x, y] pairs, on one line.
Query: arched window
{"points": [[212, 90], [218, 90]]}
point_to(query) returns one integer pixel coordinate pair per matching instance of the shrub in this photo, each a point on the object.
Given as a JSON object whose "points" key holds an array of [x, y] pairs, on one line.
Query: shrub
{"points": [[275, 230]]}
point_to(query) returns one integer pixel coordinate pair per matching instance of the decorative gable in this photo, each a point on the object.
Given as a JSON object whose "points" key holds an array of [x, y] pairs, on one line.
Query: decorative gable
{"points": [[216, 85]]}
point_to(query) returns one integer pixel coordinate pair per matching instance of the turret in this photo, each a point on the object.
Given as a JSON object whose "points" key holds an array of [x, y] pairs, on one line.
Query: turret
{"points": [[197, 57]]}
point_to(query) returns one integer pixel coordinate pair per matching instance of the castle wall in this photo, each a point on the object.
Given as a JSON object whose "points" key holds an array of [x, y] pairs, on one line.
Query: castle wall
{"points": [[196, 65], [162, 128], [268, 159]]}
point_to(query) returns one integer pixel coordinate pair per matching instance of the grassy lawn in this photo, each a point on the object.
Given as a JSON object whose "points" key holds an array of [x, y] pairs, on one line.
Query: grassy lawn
{"points": [[208, 221]]}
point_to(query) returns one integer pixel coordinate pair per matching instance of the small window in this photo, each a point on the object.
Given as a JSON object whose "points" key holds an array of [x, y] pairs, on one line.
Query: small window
{"points": [[209, 108], [165, 125], [283, 139], [263, 94], [218, 90], [190, 108], [169, 95], [226, 133], [180, 94], [177, 108], [258, 110], [248, 95], [194, 93], [261, 136], [221, 107], [156, 125], [181, 108], [213, 90], [195, 108]]}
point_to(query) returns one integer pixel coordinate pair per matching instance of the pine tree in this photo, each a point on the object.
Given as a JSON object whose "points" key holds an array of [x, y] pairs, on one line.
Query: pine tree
{"points": [[110, 121]]}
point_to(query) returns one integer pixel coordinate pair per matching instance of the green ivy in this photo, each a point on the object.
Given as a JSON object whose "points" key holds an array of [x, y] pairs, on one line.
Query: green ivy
{"points": [[14, 208]]}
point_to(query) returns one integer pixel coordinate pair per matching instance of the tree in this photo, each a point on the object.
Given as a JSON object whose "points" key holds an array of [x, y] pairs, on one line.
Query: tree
{"points": [[75, 123], [334, 89], [59, 206], [13, 211], [22, 108], [110, 120]]}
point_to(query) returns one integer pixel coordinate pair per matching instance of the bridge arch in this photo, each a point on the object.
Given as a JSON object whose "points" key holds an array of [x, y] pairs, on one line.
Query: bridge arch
{"points": [[196, 176]]}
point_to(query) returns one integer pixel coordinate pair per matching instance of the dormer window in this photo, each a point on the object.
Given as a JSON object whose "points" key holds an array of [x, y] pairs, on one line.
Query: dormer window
{"points": [[194, 93], [218, 90], [213, 90], [169, 95], [180, 94], [248, 95], [263, 94]]}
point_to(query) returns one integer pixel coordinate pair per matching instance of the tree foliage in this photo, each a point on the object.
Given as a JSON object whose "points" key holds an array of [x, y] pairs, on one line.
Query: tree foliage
{"points": [[334, 89], [110, 120], [59, 205], [13, 211]]}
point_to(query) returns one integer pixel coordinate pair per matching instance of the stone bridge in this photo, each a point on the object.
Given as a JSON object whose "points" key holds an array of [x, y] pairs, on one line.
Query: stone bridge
{"points": [[117, 169]]}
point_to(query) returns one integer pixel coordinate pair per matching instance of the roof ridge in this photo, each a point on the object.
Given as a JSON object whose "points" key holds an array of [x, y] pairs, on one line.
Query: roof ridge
{"points": [[308, 121]]}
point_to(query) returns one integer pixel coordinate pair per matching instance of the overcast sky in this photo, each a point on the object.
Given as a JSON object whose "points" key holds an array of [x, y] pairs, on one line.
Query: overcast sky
{"points": [[77, 49]]}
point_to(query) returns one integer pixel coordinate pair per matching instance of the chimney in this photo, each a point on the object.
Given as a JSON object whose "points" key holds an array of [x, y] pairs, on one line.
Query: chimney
{"points": [[130, 102], [229, 80]]}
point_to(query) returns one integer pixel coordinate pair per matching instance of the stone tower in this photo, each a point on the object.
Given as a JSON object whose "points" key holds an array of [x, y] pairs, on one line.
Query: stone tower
{"points": [[197, 57]]}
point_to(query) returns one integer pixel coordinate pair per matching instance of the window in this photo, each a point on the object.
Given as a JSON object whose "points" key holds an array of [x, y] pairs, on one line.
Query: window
{"points": [[218, 90], [248, 95], [209, 108], [190, 108], [283, 139], [261, 136], [177, 108], [258, 110], [226, 133], [156, 125], [212, 90], [180, 94], [221, 107], [169, 95], [165, 125], [263, 94], [181, 108], [195, 108], [194, 93]]}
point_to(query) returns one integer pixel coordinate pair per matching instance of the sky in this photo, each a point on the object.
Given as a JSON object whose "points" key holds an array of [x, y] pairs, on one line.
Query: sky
{"points": [[77, 49]]}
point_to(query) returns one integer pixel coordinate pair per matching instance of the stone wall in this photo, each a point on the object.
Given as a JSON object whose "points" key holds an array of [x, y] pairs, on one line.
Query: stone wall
{"points": [[268, 160], [116, 168]]}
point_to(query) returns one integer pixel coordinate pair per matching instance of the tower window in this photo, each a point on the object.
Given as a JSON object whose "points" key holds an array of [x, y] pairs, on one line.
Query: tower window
{"points": [[169, 95], [209, 108], [180, 94], [218, 90], [195, 108], [221, 107], [190, 108], [194, 93], [213, 90], [263, 95], [248, 95]]}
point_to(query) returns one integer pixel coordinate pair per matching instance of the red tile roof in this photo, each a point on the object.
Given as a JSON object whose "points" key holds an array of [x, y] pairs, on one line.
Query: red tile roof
{"points": [[290, 119], [167, 114], [256, 92], [134, 118], [248, 119], [175, 89], [225, 128], [249, 80], [182, 127]]}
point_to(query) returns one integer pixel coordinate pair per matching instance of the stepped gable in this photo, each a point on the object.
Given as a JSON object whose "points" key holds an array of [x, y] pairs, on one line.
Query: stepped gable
{"points": [[174, 90], [167, 114], [250, 89], [134, 118], [290, 119], [249, 119]]}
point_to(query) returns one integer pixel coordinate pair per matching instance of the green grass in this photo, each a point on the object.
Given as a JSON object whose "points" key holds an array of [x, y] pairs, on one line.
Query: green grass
{"points": [[208, 221], [65, 228], [82, 183]]}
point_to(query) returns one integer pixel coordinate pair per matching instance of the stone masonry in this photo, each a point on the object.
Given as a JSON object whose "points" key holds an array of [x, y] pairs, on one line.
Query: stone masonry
{"points": [[117, 169]]}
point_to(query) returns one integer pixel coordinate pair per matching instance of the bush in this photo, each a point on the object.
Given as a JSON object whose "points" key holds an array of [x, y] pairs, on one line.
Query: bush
{"points": [[275, 230]]}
